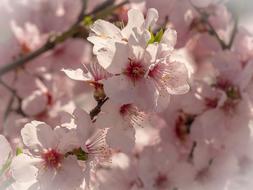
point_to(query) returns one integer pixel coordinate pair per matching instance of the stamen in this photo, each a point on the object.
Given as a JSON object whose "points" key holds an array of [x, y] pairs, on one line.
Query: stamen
{"points": [[132, 114], [233, 95], [135, 70], [161, 181], [97, 146], [161, 75], [211, 102], [52, 158]]}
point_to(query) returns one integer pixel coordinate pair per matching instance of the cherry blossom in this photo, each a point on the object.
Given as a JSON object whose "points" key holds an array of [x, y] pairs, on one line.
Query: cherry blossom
{"points": [[139, 95], [146, 68], [121, 121], [45, 160]]}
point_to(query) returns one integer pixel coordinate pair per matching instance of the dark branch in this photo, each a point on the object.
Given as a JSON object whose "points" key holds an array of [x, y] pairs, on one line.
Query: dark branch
{"points": [[234, 31], [95, 111], [191, 155], [212, 30]]}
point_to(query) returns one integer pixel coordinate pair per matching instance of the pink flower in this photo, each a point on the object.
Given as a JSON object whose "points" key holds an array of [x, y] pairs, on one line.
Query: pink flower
{"points": [[91, 139], [28, 38], [139, 68], [45, 160], [121, 121]]}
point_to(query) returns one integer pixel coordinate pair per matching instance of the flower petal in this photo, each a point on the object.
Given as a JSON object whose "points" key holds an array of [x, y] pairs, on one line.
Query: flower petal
{"points": [[84, 124], [106, 30], [151, 18], [69, 176], [23, 169], [30, 103], [121, 139], [38, 135], [135, 20], [177, 83], [169, 37], [77, 74]]}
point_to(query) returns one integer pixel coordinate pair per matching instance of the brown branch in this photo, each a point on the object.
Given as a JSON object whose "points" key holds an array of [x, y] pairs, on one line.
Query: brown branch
{"points": [[11, 101], [25, 59], [191, 155], [9, 107], [95, 111], [55, 40], [212, 30], [7, 87], [83, 10], [234, 31]]}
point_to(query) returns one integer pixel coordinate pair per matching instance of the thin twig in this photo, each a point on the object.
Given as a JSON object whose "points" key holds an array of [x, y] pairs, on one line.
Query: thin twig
{"points": [[234, 32], [7, 87], [95, 111], [13, 97], [191, 155], [9, 106], [10, 102], [21, 61], [213, 32], [83, 10], [103, 5], [104, 12]]}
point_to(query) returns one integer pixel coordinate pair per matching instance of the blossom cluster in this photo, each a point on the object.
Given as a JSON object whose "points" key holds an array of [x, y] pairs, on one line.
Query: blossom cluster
{"points": [[142, 95]]}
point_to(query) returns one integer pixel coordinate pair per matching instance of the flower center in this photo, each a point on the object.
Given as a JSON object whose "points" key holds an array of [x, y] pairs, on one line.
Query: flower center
{"points": [[135, 70], [161, 75], [211, 102], [132, 114], [183, 125], [161, 181], [233, 95], [52, 158], [25, 49], [232, 91], [124, 109]]}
